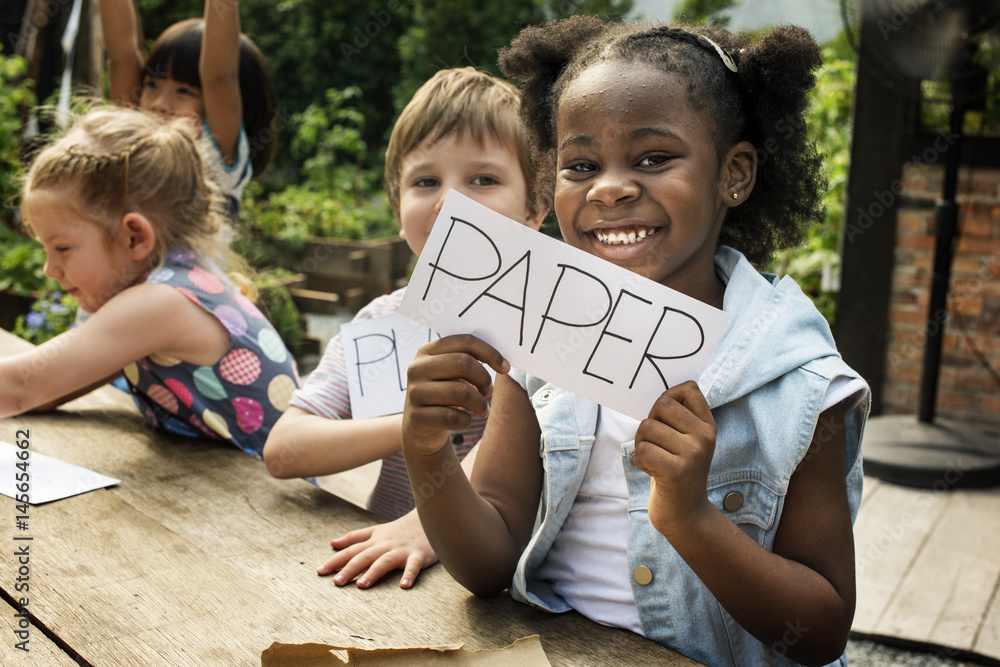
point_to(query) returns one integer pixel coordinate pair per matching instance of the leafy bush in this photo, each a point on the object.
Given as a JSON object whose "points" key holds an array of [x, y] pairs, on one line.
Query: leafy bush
{"points": [[22, 264], [816, 265], [330, 143], [276, 303], [22, 261], [705, 12], [337, 195], [15, 100], [297, 213]]}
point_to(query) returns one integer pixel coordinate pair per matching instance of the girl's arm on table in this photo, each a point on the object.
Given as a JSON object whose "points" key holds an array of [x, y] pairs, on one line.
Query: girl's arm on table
{"points": [[802, 595], [302, 444], [52, 405], [120, 26], [108, 341], [478, 528], [399, 544], [219, 69]]}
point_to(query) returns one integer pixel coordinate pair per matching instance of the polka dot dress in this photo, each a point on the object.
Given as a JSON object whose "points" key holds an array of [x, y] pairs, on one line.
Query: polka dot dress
{"points": [[243, 394]]}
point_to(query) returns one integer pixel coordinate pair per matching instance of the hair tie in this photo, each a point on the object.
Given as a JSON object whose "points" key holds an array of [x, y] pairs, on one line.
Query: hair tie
{"points": [[726, 59]]}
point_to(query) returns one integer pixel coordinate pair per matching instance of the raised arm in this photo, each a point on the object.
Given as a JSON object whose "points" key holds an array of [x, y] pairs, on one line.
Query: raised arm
{"points": [[479, 528], [120, 25], [219, 69]]}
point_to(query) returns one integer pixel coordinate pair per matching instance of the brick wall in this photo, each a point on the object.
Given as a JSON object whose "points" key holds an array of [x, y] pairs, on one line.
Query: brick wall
{"points": [[966, 390]]}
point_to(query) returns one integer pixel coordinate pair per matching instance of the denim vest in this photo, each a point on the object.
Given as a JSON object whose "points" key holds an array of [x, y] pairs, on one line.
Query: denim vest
{"points": [[765, 384]]}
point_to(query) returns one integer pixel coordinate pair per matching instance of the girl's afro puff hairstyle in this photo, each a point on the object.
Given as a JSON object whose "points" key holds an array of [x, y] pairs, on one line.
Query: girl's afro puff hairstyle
{"points": [[763, 103]]}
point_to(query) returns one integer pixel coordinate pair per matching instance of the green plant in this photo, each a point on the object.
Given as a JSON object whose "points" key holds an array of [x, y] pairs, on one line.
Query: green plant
{"points": [[15, 99], [22, 261], [275, 301], [705, 12], [22, 264], [816, 265], [337, 196], [50, 316], [330, 141], [448, 33], [298, 213]]}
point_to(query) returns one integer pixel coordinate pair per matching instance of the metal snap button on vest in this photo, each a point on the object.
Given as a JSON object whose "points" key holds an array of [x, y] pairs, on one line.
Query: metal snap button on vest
{"points": [[733, 501], [545, 395], [642, 575]]}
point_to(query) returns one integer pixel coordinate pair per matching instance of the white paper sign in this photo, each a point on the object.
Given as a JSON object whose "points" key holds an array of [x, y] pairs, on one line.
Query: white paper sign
{"points": [[377, 353], [554, 311], [48, 478]]}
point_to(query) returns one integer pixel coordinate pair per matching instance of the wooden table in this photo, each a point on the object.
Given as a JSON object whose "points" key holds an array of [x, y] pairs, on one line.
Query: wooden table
{"points": [[199, 557]]}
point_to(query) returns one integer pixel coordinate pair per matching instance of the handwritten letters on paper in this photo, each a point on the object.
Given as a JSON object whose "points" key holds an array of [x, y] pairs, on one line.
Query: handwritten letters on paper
{"points": [[556, 312], [377, 353]]}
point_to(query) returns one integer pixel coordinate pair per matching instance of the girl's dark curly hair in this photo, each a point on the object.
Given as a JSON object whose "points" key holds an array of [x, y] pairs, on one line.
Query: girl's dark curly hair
{"points": [[762, 103]]}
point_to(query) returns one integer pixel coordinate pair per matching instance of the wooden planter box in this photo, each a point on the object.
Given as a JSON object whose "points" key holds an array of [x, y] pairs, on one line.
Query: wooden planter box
{"points": [[355, 271], [11, 306]]}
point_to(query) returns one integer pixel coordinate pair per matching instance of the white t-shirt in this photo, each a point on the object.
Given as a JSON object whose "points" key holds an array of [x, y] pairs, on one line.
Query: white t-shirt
{"points": [[588, 562]]}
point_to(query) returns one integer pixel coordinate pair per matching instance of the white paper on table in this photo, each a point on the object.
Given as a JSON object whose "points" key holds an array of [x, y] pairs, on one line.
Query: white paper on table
{"points": [[48, 478], [557, 312]]}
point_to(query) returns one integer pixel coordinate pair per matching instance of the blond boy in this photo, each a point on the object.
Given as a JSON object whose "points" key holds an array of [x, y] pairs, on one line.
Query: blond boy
{"points": [[460, 131]]}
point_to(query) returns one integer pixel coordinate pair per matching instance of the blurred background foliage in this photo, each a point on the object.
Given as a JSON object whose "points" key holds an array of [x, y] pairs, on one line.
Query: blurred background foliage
{"points": [[385, 49], [343, 71], [21, 260], [16, 100], [816, 265]]}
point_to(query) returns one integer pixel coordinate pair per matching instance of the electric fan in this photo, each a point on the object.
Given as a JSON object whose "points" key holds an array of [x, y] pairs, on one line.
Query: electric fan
{"points": [[940, 51], [906, 42]]}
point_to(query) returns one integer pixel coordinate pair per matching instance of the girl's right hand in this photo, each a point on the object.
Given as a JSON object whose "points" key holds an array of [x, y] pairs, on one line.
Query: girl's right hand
{"points": [[446, 386]]}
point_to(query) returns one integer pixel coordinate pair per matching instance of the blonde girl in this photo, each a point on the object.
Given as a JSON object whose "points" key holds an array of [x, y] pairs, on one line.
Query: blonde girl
{"points": [[460, 131], [127, 218]]}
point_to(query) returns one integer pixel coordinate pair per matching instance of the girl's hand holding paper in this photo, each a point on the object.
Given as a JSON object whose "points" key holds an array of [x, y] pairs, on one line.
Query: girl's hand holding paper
{"points": [[446, 383]]}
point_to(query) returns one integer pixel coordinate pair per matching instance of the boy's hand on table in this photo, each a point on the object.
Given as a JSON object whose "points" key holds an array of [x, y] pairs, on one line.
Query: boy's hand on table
{"points": [[379, 550]]}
